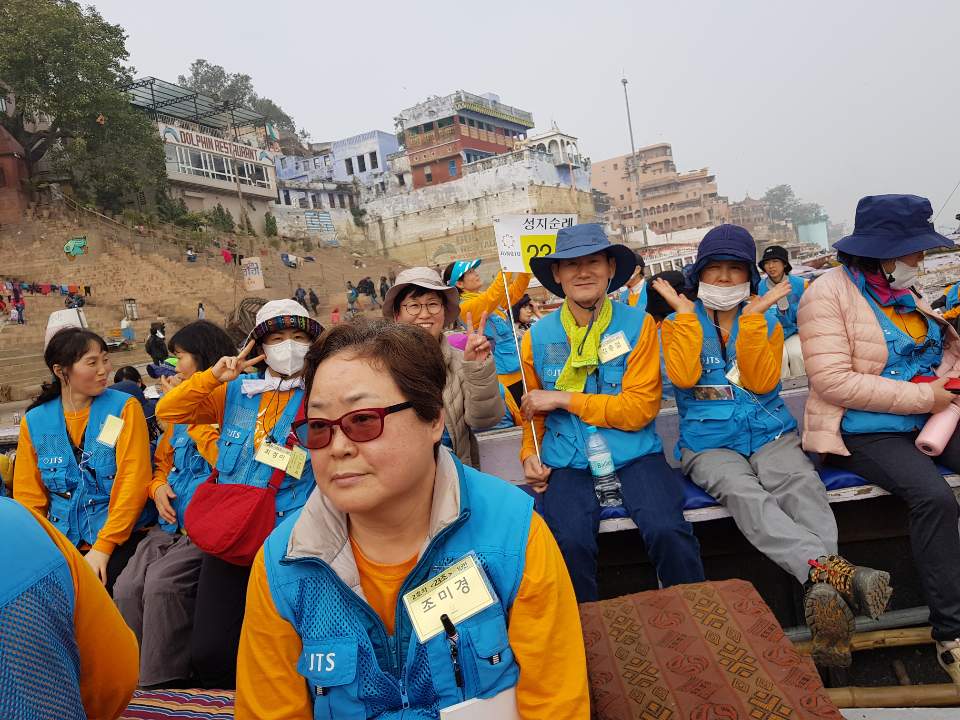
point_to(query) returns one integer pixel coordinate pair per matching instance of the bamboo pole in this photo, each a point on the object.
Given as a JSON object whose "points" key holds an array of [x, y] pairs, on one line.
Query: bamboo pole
{"points": [[880, 639], [945, 695]]}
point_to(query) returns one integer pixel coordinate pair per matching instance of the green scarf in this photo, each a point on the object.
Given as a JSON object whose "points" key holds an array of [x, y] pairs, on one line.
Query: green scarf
{"points": [[584, 347]]}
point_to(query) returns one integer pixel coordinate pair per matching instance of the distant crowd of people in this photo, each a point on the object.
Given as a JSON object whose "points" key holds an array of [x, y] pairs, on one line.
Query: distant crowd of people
{"points": [[306, 490]]}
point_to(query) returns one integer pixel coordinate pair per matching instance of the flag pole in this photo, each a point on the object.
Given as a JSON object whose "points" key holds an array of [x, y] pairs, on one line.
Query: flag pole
{"points": [[516, 343]]}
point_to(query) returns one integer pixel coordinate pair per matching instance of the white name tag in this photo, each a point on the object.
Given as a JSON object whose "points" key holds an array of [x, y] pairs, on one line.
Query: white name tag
{"points": [[613, 346], [276, 456], [110, 432], [460, 592]]}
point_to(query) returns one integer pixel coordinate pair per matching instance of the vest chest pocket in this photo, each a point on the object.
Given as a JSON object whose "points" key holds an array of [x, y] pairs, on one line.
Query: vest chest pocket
{"points": [[488, 660], [611, 378], [54, 474], [232, 442], [330, 669]]}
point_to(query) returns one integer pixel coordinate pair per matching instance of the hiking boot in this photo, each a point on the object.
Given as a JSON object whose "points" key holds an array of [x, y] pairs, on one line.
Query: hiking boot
{"points": [[948, 655], [831, 624], [866, 590]]}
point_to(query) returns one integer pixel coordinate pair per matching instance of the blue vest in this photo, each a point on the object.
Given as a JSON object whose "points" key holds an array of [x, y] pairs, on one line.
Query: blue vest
{"points": [[188, 472], [500, 333], [906, 359], [623, 296], [235, 459], [953, 297], [79, 497], [743, 424], [788, 317], [40, 664], [376, 675], [564, 442]]}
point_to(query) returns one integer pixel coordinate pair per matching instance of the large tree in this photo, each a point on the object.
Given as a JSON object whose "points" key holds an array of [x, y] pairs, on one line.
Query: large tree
{"points": [[785, 205], [64, 68], [209, 79]]}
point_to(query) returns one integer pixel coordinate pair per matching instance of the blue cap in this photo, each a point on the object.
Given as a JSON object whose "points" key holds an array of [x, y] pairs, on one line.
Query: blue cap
{"points": [[725, 242], [461, 268]]}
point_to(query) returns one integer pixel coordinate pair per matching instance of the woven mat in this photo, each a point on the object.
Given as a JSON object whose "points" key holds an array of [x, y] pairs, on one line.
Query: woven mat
{"points": [[709, 651], [180, 705]]}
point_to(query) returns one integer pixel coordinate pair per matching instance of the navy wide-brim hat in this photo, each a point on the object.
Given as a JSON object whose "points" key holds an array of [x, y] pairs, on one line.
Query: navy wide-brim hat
{"points": [[580, 241], [725, 242], [891, 226]]}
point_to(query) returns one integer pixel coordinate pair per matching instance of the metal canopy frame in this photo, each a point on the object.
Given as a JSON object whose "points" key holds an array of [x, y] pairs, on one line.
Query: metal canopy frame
{"points": [[157, 95]]}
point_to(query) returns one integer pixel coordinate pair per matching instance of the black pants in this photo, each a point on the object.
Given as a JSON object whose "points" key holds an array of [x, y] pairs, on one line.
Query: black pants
{"points": [[121, 556], [217, 619], [891, 461], [517, 391]]}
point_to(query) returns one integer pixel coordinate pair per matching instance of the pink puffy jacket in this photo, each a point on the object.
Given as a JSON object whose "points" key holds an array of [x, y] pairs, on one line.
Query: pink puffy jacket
{"points": [[844, 352]]}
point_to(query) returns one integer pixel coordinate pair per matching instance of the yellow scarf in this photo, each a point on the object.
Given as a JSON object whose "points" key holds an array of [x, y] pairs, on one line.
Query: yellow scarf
{"points": [[584, 347]]}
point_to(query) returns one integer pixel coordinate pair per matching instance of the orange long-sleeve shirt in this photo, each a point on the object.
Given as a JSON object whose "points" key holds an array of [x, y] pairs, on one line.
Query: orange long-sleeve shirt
{"points": [[206, 438], [759, 354], [493, 297], [544, 633], [109, 656], [633, 408], [201, 400], [129, 493]]}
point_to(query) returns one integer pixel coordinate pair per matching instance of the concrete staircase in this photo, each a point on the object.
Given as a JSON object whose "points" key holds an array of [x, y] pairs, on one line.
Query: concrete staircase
{"points": [[121, 263]]}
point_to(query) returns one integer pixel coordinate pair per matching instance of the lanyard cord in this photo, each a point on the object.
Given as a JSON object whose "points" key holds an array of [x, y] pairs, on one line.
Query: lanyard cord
{"points": [[723, 342]]}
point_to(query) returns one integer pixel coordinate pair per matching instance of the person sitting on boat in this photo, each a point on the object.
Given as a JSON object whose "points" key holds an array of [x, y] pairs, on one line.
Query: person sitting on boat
{"points": [[776, 264], [866, 333], [346, 617], [594, 366], [634, 293], [739, 442]]}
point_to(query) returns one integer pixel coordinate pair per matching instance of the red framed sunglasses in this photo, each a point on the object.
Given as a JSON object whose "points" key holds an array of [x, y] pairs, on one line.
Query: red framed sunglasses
{"points": [[361, 425]]}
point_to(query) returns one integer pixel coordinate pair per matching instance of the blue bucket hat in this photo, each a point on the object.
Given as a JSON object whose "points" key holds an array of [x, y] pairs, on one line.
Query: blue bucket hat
{"points": [[580, 241], [725, 242], [891, 226]]}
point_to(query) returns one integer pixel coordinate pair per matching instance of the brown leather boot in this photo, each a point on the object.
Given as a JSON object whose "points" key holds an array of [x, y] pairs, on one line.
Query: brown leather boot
{"points": [[831, 624], [867, 591]]}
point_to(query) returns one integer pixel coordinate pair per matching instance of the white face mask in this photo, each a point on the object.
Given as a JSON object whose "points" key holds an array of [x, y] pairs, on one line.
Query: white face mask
{"points": [[286, 357], [904, 276], [717, 297]]}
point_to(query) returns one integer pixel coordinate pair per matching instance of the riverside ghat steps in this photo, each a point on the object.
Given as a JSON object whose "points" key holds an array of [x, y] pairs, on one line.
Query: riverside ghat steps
{"points": [[121, 263]]}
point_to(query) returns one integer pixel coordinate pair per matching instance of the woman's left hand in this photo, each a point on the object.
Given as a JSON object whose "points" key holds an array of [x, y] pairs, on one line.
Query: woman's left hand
{"points": [[477, 348], [760, 304], [97, 560]]}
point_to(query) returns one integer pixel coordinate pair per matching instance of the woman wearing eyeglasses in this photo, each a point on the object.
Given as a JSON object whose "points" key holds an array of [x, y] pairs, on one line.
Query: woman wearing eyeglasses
{"points": [[342, 620], [471, 398], [866, 333]]}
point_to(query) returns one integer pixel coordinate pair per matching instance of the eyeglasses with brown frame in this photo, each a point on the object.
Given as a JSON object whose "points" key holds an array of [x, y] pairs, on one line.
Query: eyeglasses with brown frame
{"points": [[361, 425]]}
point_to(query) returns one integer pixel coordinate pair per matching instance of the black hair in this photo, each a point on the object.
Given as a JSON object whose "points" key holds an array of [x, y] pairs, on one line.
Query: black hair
{"points": [[128, 372], [65, 348], [447, 273], [414, 291], [859, 262], [206, 341], [640, 262], [518, 306]]}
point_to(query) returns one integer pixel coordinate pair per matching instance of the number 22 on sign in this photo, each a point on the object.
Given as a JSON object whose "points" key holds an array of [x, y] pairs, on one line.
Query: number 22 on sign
{"points": [[536, 246]]}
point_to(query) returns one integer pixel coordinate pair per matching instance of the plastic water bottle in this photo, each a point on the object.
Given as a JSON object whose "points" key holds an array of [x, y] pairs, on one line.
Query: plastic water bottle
{"points": [[605, 481]]}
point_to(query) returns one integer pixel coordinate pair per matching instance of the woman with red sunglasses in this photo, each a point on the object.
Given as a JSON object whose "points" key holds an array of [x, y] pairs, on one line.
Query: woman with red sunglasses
{"points": [[409, 581]]}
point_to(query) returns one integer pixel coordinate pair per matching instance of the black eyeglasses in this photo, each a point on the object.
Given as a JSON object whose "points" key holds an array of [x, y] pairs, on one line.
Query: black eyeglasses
{"points": [[413, 308], [361, 425]]}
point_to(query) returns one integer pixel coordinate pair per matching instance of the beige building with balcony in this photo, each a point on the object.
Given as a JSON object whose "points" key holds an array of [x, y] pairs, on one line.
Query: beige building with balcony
{"points": [[671, 200]]}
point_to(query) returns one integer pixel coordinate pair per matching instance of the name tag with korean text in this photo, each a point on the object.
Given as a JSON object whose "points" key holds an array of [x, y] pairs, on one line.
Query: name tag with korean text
{"points": [[460, 592], [613, 346], [733, 375], [276, 456], [110, 432], [298, 461]]}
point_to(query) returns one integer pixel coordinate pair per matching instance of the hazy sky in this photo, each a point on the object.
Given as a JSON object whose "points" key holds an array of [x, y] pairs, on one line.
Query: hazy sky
{"points": [[839, 99]]}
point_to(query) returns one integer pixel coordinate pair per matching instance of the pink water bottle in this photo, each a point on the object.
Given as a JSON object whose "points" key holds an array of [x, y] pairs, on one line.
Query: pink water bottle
{"points": [[938, 430]]}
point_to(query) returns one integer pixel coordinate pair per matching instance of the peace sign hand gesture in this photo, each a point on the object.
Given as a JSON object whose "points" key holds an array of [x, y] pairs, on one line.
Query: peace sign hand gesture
{"points": [[230, 368], [477, 347]]}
